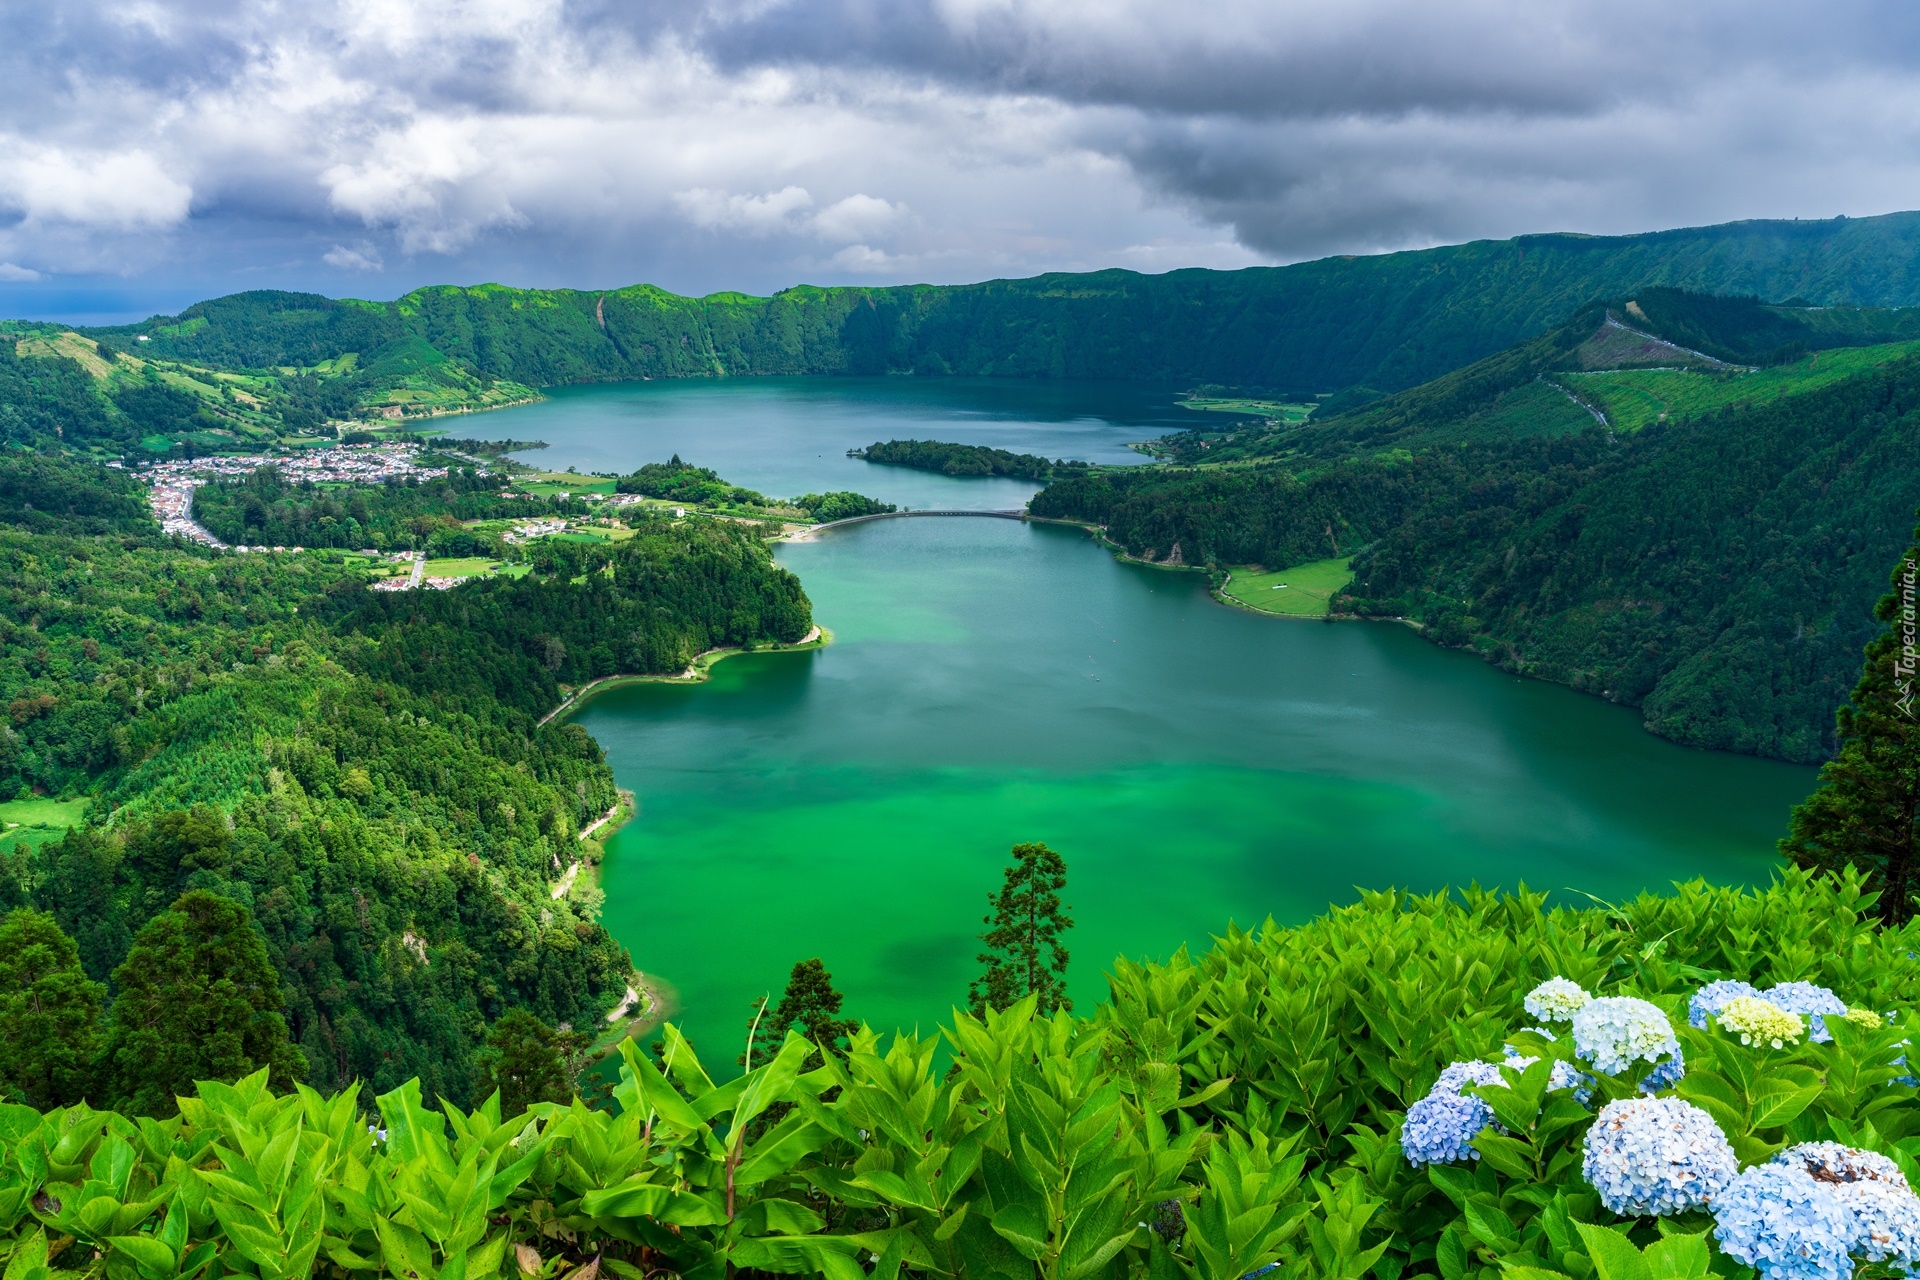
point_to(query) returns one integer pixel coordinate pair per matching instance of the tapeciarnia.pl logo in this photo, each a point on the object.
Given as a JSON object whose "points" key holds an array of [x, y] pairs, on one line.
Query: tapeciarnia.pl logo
{"points": [[1905, 660]]}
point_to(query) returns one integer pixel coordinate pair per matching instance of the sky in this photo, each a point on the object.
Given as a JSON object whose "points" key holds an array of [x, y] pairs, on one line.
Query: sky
{"points": [[154, 152]]}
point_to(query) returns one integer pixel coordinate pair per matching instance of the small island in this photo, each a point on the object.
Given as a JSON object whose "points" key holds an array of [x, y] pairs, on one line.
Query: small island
{"points": [[967, 460]]}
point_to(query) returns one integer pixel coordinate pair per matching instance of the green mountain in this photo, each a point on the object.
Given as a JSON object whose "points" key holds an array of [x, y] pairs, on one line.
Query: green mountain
{"points": [[1716, 567], [1388, 322], [1619, 364]]}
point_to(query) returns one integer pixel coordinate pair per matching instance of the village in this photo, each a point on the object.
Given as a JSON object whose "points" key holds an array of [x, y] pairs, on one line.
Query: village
{"points": [[174, 481]]}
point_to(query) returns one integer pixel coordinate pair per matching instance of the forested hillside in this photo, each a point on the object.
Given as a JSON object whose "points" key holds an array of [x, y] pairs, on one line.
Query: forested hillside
{"points": [[1718, 571], [1385, 322], [363, 772]]}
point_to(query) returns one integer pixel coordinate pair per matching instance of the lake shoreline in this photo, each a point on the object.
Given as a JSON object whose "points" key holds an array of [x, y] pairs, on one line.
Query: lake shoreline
{"points": [[699, 671]]}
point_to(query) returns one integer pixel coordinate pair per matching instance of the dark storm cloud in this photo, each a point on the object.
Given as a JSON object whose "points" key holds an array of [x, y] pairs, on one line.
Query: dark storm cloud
{"points": [[367, 145]]}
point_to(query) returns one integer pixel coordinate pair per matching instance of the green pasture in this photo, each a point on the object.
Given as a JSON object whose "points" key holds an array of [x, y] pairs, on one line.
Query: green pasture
{"points": [[1632, 398], [1265, 408], [465, 567], [1303, 591], [37, 820], [545, 485]]}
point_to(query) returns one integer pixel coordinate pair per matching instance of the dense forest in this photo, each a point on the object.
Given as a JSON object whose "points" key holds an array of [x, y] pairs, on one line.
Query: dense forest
{"points": [[364, 773], [966, 459], [1718, 572], [265, 507], [1386, 322]]}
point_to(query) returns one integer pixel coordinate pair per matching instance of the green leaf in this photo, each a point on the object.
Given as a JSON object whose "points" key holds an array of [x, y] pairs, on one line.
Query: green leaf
{"points": [[404, 1250], [1456, 1184], [1679, 1257], [1509, 1155], [1613, 1254], [790, 1219], [953, 1221], [29, 1261], [1776, 1102], [1450, 1255], [652, 1200], [1021, 1227], [1494, 1228], [154, 1259], [661, 1097]]}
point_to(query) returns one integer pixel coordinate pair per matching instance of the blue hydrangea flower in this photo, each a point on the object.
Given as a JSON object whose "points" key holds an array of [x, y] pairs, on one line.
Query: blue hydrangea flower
{"points": [[1656, 1156], [1809, 1001], [1556, 999], [1777, 1218], [1886, 1221], [1709, 1000], [1885, 1212], [1440, 1127], [1614, 1032]]}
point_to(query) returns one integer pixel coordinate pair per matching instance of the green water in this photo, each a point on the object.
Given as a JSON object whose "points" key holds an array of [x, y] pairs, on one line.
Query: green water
{"points": [[995, 682]]}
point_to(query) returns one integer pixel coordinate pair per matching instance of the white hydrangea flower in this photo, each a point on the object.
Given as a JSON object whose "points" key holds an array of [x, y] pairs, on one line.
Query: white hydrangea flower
{"points": [[1614, 1032], [1556, 999]]}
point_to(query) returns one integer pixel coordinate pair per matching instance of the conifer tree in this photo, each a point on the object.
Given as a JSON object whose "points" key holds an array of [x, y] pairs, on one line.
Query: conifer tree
{"points": [[198, 1000], [1865, 811], [528, 1062], [1025, 955], [49, 1013], [810, 1006]]}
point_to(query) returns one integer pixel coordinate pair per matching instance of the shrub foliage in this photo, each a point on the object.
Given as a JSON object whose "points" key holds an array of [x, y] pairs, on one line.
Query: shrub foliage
{"points": [[1216, 1115]]}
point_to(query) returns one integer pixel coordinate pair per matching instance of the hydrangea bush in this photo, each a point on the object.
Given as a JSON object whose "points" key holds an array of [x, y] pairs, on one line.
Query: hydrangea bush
{"points": [[1785, 1146]]}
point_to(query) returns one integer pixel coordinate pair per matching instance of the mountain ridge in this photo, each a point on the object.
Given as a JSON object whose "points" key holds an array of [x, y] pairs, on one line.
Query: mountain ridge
{"points": [[1386, 321]]}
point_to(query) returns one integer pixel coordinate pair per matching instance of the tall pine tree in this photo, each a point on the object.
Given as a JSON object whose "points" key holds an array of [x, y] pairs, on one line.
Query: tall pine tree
{"points": [[810, 1006], [527, 1061], [1865, 811], [49, 1013], [198, 1000], [1025, 955]]}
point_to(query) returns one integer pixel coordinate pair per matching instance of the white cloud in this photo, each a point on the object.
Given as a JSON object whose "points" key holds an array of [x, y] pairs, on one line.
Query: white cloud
{"points": [[859, 216], [360, 257], [109, 190], [10, 273], [866, 260], [756, 215]]}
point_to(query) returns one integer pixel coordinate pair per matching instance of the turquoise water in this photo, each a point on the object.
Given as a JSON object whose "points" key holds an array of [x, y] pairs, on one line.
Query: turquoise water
{"points": [[788, 436], [995, 682]]}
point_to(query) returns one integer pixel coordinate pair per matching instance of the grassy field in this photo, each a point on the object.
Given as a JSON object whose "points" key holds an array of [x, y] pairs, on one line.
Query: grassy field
{"points": [[469, 567], [38, 820], [545, 484], [1300, 592], [1632, 398], [1265, 408]]}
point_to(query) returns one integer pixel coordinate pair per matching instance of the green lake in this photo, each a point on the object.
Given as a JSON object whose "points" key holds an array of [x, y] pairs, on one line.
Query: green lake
{"points": [[994, 682]]}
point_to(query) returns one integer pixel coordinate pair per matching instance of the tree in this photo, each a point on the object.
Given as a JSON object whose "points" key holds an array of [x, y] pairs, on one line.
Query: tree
{"points": [[49, 1012], [1024, 954], [528, 1062], [1864, 813], [810, 1006], [198, 1000]]}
